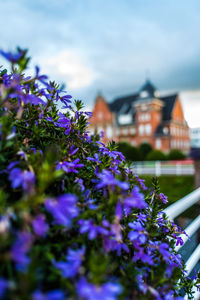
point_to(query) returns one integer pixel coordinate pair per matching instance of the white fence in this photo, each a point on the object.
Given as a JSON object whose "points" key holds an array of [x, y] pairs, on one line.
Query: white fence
{"points": [[177, 209], [163, 167]]}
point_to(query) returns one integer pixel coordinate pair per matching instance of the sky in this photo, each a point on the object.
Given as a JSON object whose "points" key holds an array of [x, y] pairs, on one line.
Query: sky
{"points": [[110, 46]]}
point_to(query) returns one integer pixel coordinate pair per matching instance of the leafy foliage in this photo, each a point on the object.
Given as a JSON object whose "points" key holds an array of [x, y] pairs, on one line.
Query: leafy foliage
{"points": [[76, 223], [144, 150], [176, 154], [156, 155], [130, 152]]}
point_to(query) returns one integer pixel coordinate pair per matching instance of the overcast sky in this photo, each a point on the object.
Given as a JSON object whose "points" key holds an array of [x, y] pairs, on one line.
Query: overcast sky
{"points": [[110, 46]]}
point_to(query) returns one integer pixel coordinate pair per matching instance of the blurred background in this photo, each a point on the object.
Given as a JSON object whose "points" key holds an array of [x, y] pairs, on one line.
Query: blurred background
{"points": [[110, 46]]}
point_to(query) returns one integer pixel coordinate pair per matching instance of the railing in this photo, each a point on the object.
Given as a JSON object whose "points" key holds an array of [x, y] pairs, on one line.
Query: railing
{"points": [[174, 211], [164, 167]]}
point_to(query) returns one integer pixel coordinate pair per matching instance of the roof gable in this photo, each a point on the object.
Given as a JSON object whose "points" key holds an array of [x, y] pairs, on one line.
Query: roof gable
{"points": [[117, 104], [169, 102]]}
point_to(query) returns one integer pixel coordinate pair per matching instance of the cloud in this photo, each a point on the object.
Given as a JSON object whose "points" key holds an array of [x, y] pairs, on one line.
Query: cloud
{"points": [[68, 65]]}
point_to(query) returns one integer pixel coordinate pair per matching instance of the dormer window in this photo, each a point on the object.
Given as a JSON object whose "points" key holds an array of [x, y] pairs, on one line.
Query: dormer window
{"points": [[165, 130], [148, 90], [144, 94]]}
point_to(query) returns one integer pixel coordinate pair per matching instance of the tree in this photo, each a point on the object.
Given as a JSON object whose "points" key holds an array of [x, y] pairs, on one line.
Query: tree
{"points": [[176, 154], [156, 155], [130, 152], [144, 150]]}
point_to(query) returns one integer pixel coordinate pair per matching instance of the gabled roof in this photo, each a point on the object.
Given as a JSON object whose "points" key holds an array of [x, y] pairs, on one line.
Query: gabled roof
{"points": [[117, 104], [159, 130], [148, 89], [125, 105], [169, 102]]}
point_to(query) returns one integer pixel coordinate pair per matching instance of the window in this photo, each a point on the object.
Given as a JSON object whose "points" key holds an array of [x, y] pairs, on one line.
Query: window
{"points": [[100, 115], [109, 131], [147, 117], [158, 143], [125, 131], [165, 130], [141, 129], [143, 94], [140, 117], [148, 129], [132, 130]]}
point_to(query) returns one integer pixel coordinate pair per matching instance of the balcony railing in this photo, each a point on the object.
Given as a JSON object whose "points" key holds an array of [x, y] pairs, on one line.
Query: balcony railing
{"points": [[175, 210], [164, 167]]}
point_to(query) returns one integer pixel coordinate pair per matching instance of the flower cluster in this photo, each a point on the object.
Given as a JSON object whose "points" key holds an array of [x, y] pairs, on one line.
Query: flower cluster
{"points": [[76, 222]]}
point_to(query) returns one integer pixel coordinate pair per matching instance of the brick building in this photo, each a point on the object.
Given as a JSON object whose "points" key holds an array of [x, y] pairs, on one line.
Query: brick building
{"points": [[143, 117]]}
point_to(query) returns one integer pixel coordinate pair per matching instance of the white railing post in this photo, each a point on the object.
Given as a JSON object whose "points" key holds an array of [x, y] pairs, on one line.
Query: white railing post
{"points": [[158, 168]]}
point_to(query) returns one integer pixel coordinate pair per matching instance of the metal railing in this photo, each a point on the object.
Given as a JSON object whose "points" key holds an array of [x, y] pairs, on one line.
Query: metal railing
{"points": [[164, 167], [175, 210]]}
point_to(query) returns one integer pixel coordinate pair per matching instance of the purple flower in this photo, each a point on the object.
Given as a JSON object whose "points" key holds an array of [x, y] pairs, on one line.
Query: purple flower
{"points": [[3, 286], [141, 182], [88, 113], [13, 57], [95, 159], [70, 267], [111, 244], [80, 183], [92, 229], [18, 178], [141, 255], [138, 233], [49, 119], [6, 80], [63, 121], [73, 150], [69, 166], [41, 78], [118, 211], [111, 154], [107, 178], [20, 248], [28, 180], [141, 283], [163, 198], [52, 295], [66, 100], [136, 200], [40, 227], [12, 164], [32, 99], [179, 241], [142, 218], [164, 250], [63, 209], [89, 291]]}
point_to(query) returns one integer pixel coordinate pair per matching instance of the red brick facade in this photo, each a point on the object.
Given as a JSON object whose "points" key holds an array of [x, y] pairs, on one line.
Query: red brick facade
{"points": [[153, 122]]}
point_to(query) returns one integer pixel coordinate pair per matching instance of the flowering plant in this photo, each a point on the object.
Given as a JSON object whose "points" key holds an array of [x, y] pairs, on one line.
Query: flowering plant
{"points": [[76, 222]]}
